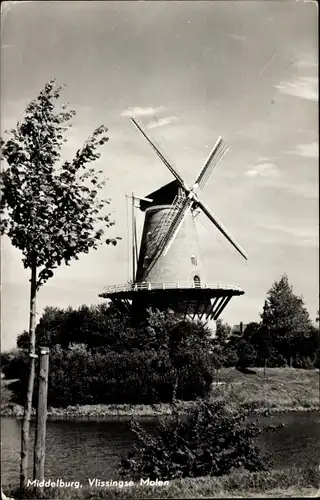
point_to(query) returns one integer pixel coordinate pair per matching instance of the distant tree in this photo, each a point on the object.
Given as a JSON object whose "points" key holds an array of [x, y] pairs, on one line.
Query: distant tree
{"points": [[98, 326], [223, 331], [247, 354], [285, 317], [258, 337], [313, 346], [23, 340], [224, 350], [51, 211]]}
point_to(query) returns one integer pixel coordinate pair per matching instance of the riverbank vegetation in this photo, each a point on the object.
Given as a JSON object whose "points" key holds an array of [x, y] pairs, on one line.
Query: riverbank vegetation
{"points": [[162, 358], [291, 482], [284, 389]]}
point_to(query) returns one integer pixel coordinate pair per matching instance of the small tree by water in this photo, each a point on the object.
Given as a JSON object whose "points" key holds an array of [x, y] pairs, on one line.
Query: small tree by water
{"points": [[51, 211], [210, 442]]}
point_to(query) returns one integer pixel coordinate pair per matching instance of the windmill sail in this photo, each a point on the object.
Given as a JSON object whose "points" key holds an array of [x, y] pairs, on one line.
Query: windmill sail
{"points": [[217, 153], [162, 235], [167, 229], [175, 224], [221, 228], [161, 229], [161, 156]]}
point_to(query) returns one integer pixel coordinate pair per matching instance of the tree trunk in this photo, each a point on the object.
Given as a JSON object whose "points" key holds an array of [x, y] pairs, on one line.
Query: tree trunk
{"points": [[32, 358], [40, 441]]}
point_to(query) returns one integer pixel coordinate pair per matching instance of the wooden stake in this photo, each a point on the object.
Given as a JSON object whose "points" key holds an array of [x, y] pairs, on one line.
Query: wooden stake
{"points": [[133, 241], [40, 438], [32, 356]]}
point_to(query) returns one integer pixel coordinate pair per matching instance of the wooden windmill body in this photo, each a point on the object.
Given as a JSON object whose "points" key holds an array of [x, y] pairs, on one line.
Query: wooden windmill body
{"points": [[167, 272]]}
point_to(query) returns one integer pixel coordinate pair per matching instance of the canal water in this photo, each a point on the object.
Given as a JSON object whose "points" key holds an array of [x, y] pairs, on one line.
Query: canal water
{"points": [[81, 449]]}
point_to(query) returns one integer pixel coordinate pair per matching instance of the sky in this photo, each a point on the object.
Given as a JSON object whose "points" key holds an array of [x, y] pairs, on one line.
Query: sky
{"points": [[189, 72]]}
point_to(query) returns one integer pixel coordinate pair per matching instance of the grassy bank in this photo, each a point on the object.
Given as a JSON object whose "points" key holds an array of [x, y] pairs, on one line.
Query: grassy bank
{"points": [[284, 389], [274, 483]]}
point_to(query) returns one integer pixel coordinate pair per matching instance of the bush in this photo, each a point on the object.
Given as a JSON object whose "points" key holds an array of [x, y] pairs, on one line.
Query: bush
{"points": [[96, 359], [211, 441], [78, 376]]}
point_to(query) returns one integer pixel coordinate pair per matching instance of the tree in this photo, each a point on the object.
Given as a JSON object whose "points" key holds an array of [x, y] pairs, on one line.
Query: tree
{"points": [[163, 358], [223, 331], [247, 354], [95, 326], [224, 352], [23, 340], [286, 318], [50, 210]]}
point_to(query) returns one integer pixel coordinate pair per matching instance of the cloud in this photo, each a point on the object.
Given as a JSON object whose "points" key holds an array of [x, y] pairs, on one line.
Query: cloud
{"points": [[162, 122], [140, 111], [264, 169], [302, 236], [310, 150], [305, 87], [306, 61], [238, 37]]}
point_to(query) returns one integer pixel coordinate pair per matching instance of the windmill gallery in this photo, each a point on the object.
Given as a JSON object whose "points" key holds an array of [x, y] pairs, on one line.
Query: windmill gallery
{"points": [[167, 270]]}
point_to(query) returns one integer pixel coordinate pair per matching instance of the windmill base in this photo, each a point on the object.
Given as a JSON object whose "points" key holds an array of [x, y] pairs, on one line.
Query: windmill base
{"points": [[200, 301]]}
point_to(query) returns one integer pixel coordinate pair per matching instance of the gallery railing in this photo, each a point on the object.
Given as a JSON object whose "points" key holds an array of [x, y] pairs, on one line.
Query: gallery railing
{"points": [[168, 286]]}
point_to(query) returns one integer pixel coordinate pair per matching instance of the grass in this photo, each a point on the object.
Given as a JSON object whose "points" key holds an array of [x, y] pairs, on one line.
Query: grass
{"points": [[282, 389], [284, 483]]}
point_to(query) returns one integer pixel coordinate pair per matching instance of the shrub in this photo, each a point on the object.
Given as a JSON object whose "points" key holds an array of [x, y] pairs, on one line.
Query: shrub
{"points": [[78, 376], [211, 441], [94, 358]]}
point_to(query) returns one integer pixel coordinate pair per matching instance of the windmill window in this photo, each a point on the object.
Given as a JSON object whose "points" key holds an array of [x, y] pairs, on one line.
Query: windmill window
{"points": [[196, 281], [146, 262], [149, 235], [193, 260]]}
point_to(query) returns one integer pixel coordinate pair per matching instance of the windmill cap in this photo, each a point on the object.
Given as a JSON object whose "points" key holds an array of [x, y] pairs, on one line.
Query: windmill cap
{"points": [[162, 196]]}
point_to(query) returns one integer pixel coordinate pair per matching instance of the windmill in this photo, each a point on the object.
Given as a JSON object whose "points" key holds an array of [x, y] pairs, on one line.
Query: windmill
{"points": [[168, 273]]}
